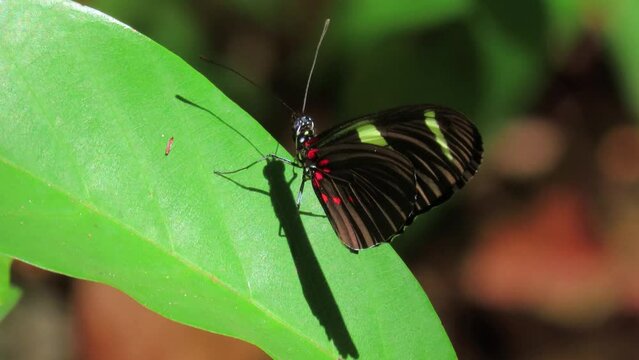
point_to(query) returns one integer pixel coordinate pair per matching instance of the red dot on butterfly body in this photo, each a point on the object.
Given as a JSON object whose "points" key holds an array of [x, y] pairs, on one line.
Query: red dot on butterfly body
{"points": [[318, 176], [323, 162], [312, 154], [310, 142], [325, 198], [337, 200]]}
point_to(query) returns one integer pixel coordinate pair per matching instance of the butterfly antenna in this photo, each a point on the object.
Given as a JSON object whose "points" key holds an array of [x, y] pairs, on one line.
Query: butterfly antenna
{"points": [[247, 79], [319, 43]]}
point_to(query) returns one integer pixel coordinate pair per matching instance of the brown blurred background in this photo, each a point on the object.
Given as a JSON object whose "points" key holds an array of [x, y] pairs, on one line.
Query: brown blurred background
{"points": [[536, 259]]}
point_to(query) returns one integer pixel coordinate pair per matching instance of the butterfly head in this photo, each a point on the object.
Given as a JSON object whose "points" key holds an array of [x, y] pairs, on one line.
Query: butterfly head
{"points": [[303, 130]]}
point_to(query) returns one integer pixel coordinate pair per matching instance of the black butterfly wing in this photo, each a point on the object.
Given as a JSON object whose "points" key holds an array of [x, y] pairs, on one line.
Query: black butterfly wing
{"points": [[367, 191], [444, 147]]}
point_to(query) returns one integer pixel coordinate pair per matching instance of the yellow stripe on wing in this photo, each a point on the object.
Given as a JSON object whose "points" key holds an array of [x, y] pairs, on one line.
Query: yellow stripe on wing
{"points": [[433, 126], [370, 135]]}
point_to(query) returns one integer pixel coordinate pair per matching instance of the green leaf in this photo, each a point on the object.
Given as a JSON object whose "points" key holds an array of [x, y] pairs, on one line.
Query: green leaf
{"points": [[168, 21], [622, 32], [88, 106], [565, 24], [364, 21], [510, 38], [9, 295], [434, 68]]}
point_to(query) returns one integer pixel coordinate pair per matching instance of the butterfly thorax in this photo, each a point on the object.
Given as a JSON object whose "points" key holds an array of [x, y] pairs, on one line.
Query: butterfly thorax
{"points": [[304, 137]]}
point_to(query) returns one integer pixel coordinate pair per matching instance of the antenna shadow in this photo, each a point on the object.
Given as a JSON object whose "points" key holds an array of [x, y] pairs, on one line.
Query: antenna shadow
{"points": [[189, 102]]}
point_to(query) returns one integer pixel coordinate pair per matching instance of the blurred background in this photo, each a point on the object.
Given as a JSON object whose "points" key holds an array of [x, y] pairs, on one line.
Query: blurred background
{"points": [[537, 258]]}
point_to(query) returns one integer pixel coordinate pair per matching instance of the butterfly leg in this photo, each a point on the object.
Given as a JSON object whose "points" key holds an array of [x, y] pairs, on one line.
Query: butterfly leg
{"points": [[298, 202], [284, 160], [266, 157]]}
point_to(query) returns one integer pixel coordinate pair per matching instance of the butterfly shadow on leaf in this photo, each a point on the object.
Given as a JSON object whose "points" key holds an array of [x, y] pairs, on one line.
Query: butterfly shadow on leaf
{"points": [[315, 287]]}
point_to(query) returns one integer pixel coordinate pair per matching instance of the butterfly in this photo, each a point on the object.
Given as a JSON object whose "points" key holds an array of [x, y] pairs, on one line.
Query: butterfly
{"points": [[374, 174]]}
